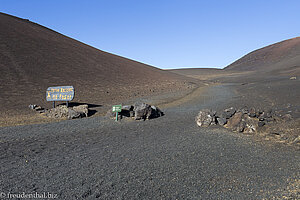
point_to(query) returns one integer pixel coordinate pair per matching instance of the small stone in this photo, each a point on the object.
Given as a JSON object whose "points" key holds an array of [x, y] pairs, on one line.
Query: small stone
{"points": [[287, 117], [252, 112], [42, 111], [274, 133], [245, 110], [297, 140], [229, 112], [32, 106], [283, 137], [258, 113], [269, 119], [131, 113], [268, 113], [241, 126], [261, 123], [221, 120], [250, 128], [38, 108]]}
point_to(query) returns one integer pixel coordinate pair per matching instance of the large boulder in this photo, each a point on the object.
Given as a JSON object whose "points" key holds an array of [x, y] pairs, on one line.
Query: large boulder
{"points": [[234, 122], [127, 111], [242, 122], [141, 111], [137, 111], [73, 114], [155, 112], [206, 118], [145, 111], [82, 110]]}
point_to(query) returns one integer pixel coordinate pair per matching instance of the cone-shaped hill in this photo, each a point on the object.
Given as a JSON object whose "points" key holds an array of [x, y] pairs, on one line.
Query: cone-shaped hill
{"points": [[282, 57], [33, 57]]}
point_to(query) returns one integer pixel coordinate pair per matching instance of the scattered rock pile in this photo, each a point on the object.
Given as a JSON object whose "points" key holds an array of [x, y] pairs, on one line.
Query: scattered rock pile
{"points": [[240, 120], [36, 108], [63, 111], [70, 113], [138, 111]]}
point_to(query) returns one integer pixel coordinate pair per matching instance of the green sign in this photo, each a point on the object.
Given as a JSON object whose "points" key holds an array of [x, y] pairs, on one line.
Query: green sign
{"points": [[117, 108]]}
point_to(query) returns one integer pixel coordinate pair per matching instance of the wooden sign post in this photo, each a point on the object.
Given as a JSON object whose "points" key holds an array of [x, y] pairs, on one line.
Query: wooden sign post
{"points": [[117, 109], [60, 93]]}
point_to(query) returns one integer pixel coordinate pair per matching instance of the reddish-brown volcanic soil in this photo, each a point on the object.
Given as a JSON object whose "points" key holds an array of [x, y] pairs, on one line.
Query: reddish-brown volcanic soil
{"points": [[281, 57], [34, 57]]}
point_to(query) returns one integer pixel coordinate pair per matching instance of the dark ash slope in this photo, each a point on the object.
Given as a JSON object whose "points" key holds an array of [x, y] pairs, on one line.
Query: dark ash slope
{"points": [[33, 57]]}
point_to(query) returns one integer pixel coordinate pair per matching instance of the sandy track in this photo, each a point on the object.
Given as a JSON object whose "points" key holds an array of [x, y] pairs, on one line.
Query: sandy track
{"points": [[165, 158]]}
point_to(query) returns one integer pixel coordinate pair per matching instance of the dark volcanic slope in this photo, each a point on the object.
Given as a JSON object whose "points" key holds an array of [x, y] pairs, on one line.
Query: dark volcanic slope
{"points": [[281, 57], [33, 58]]}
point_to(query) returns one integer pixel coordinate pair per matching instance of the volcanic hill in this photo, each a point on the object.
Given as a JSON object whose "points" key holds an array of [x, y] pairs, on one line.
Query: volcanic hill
{"points": [[33, 57], [282, 57], [267, 77]]}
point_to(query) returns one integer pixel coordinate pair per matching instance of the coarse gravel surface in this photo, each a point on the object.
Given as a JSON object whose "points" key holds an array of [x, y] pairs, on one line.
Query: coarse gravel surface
{"points": [[164, 158]]}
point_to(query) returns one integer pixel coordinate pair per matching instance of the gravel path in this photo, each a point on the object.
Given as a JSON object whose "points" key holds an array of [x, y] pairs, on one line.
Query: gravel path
{"points": [[165, 158]]}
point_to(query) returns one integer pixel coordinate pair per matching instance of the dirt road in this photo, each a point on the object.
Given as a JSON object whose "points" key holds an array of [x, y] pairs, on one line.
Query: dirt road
{"points": [[164, 158]]}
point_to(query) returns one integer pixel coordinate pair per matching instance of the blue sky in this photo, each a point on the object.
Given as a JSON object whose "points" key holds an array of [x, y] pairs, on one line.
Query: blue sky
{"points": [[167, 33]]}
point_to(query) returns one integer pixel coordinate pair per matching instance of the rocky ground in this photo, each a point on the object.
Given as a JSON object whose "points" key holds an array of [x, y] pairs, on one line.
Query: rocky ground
{"points": [[153, 156], [265, 123], [262, 91], [248, 149], [98, 103], [169, 157], [275, 93]]}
